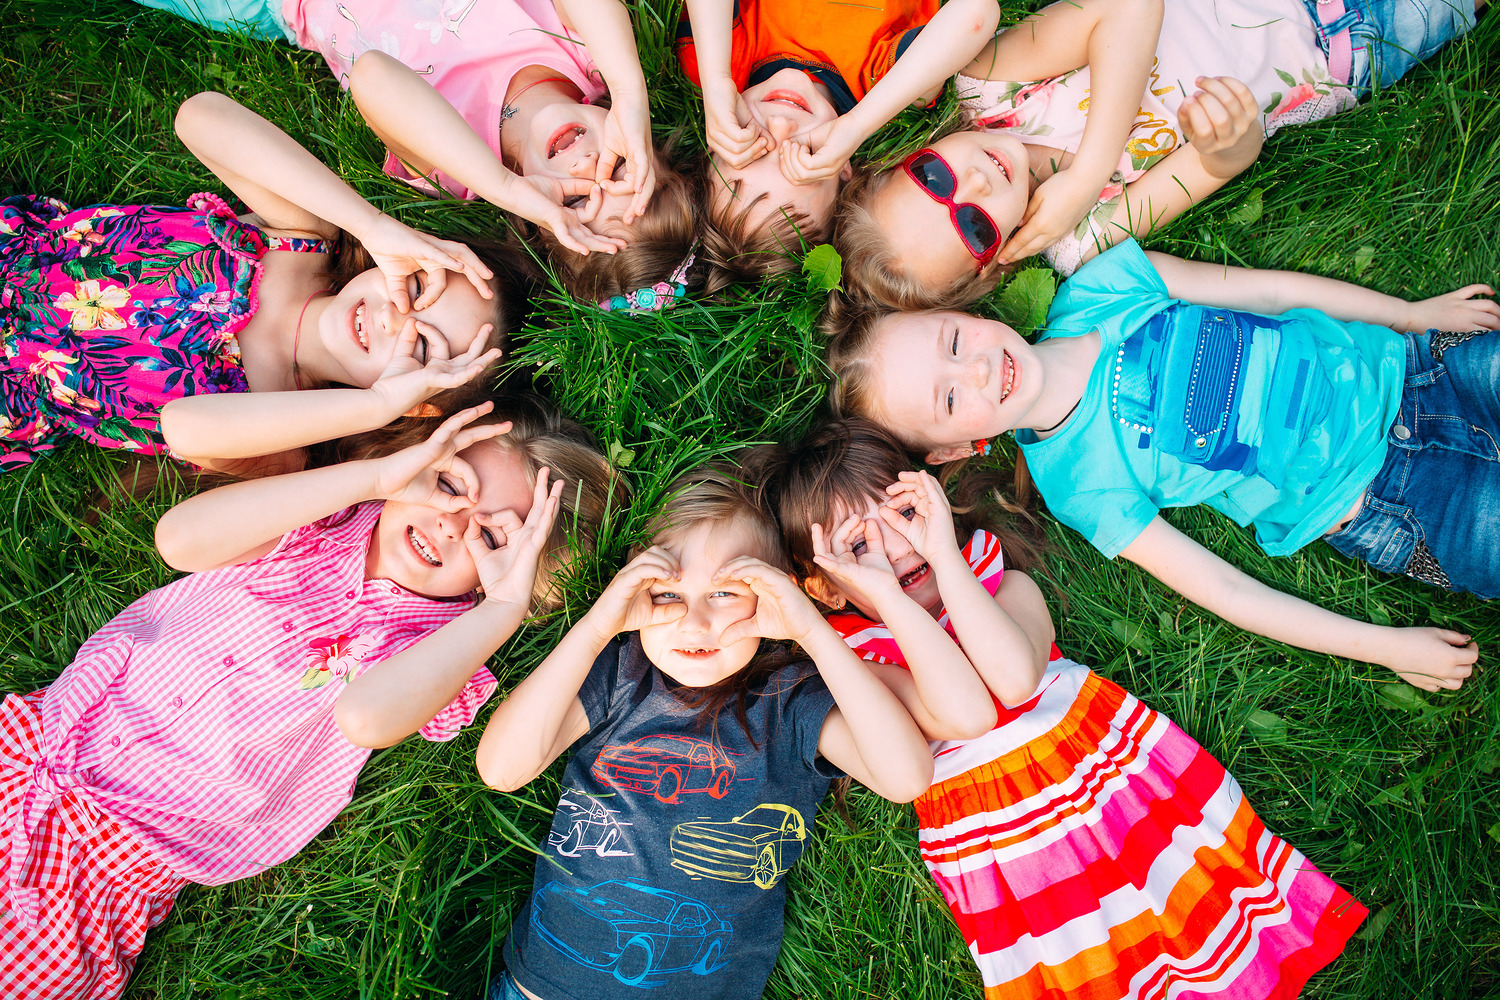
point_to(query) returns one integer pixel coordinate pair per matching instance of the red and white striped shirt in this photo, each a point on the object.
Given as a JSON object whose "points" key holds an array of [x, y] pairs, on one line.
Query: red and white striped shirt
{"points": [[200, 719]]}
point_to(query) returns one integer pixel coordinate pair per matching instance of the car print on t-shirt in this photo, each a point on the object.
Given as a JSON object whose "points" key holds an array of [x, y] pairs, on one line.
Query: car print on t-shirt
{"points": [[637, 932], [588, 825], [757, 847], [666, 767]]}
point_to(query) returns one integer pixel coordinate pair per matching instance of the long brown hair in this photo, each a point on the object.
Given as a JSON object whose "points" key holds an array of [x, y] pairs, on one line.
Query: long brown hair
{"points": [[738, 252], [872, 267], [721, 494], [844, 462], [542, 437]]}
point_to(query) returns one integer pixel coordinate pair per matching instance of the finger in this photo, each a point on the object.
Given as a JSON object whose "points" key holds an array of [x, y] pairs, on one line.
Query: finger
{"points": [[1216, 102], [469, 263], [396, 288], [819, 541], [642, 195], [478, 551], [739, 631], [589, 211], [507, 521], [406, 340], [472, 354], [437, 344], [471, 436], [450, 428], [1469, 291], [745, 568], [843, 540], [464, 473], [437, 280], [875, 539], [549, 507], [1245, 104], [609, 159]]}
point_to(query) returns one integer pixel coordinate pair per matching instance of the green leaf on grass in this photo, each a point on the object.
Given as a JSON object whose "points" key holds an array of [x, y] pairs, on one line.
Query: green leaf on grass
{"points": [[824, 268], [1403, 697], [1377, 925], [1249, 211], [1133, 634], [620, 456], [1266, 727], [1026, 298], [1494, 831], [1390, 796], [1362, 258]]}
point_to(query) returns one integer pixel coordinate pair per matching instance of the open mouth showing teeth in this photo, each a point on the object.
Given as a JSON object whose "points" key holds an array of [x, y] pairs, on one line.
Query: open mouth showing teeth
{"points": [[421, 548], [697, 652], [787, 97], [359, 327], [915, 577], [1010, 376], [997, 161], [565, 138]]}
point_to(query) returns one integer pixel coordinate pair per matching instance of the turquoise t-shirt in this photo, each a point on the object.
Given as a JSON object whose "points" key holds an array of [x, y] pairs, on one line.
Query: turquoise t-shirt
{"points": [[1276, 421]]}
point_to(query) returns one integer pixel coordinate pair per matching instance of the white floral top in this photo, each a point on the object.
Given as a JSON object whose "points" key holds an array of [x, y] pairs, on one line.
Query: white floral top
{"points": [[1269, 45]]}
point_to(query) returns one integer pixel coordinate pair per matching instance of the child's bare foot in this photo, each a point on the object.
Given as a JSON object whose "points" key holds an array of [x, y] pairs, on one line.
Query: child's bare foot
{"points": [[1432, 659]]}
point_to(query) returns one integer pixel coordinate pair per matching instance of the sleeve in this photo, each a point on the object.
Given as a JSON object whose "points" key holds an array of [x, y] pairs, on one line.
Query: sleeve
{"points": [[350, 528], [461, 711], [599, 686], [1116, 291], [986, 559], [1109, 518], [871, 640], [803, 702]]}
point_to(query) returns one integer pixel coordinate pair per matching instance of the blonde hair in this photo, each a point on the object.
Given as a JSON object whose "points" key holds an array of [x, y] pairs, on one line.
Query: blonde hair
{"points": [[739, 253], [719, 493], [541, 437], [873, 269]]}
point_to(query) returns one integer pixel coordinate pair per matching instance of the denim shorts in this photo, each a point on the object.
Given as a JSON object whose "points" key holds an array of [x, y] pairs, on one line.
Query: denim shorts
{"points": [[1433, 510], [1389, 37], [503, 987], [256, 18]]}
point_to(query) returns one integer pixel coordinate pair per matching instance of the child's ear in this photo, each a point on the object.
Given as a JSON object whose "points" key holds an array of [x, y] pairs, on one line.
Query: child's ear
{"points": [[823, 592], [847, 173], [949, 453]]}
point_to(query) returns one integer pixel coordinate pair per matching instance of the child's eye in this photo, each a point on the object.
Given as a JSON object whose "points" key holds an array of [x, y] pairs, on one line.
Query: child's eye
{"points": [[575, 201], [950, 402], [724, 593], [908, 512], [665, 597], [488, 537], [860, 547], [619, 172], [954, 347], [446, 486]]}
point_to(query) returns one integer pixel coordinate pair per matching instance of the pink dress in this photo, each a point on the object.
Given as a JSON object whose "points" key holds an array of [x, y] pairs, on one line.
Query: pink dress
{"points": [[1087, 847], [467, 49], [192, 739]]}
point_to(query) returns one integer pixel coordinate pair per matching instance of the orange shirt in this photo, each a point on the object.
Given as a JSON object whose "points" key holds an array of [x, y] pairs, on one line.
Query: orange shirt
{"points": [[846, 46]]}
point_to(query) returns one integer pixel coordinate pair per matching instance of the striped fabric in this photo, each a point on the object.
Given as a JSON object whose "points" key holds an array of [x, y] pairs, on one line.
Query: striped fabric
{"points": [[1090, 850], [200, 719], [90, 890]]}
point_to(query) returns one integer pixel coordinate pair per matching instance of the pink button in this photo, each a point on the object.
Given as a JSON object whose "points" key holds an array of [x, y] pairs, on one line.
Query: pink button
{"points": [[286, 626], [228, 661], [115, 742]]}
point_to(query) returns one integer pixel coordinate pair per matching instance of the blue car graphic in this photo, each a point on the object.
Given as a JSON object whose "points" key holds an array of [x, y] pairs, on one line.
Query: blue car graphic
{"points": [[634, 931]]}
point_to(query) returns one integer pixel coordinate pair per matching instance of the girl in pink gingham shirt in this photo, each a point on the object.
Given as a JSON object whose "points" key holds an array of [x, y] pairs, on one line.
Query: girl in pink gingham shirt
{"points": [[217, 724]]}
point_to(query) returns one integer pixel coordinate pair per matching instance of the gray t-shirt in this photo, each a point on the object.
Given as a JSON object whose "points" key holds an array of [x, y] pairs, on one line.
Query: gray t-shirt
{"points": [[664, 869]]}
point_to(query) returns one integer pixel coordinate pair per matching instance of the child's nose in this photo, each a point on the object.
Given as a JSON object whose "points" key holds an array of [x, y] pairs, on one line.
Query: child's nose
{"points": [[583, 165], [781, 128], [452, 526], [973, 184], [697, 619]]}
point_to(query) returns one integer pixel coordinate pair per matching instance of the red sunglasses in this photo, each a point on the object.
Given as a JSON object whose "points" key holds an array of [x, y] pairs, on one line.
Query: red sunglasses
{"points": [[974, 226]]}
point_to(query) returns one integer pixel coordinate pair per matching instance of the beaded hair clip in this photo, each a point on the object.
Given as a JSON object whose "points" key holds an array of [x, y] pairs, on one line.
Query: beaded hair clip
{"points": [[654, 298], [982, 447]]}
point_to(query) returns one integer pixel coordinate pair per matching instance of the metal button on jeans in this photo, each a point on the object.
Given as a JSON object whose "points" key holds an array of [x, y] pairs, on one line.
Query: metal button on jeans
{"points": [[1401, 431]]}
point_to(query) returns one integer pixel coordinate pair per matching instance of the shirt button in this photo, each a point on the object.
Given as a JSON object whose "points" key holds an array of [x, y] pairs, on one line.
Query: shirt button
{"points": [[349, 596], [176, 702], [286, 626], [396, 591], [1401, 431], [1201, 442], [228, 661], [115, 742]]}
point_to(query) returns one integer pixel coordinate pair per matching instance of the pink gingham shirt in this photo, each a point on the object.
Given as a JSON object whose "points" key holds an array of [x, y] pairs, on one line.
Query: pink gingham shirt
{"points": [[201, 718]]}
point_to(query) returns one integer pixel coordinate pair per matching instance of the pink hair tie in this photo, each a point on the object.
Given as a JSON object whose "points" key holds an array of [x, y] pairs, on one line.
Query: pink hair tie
{"points": [[654, 298]]}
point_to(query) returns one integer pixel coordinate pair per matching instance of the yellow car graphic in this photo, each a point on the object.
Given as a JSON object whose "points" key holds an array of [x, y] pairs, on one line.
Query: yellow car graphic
{"points": [[757, 847]]}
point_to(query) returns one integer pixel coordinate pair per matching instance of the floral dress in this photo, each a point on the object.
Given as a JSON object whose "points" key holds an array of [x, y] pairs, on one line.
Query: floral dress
{"points": [[109, 312]]}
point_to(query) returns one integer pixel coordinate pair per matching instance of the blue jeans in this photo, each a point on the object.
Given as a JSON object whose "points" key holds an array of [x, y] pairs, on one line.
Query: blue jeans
{"points": [[503, 987], [1433, 510], [1389, 37]]}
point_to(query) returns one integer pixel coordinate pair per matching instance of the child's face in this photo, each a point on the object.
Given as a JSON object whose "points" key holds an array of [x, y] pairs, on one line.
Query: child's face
{"points": [[422, 548], [360, 327], [787, 105], [949, 379], [562, 142], [992, 172], [689, 649], [916, 578]]}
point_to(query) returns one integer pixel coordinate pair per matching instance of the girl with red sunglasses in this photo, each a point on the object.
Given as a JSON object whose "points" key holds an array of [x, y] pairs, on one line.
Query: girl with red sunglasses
{"points": [[1085, 128]]}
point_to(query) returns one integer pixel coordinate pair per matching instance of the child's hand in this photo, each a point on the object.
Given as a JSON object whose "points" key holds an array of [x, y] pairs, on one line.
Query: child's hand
{"points": [[627, 605], [400, 251], [627, 136], [866, 575], [1223, 124], [543, 201], [1432, 659], [782, 610], [1458, 311], [1056, 208], [420, 368], [822, 153], [431, 473], [507, 550], [735, 144], [918, 509]]}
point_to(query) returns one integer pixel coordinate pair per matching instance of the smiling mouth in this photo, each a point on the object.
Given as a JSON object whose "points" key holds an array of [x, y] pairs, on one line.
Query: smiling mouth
{"points": [[420, 547], [788, 97], [564, 138], [916, 577], [359, 327], [1000, 162], [699, 653], [1010, 375]]}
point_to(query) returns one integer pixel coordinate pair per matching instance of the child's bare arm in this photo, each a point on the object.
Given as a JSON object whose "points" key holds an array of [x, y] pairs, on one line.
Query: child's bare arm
{"points": [[738, 145], [945, 44], [399, 695], [213, 429], [1428, 658], [542, 717], [427, 133], [1274, 292], [1221, 122], [1119, 39]]}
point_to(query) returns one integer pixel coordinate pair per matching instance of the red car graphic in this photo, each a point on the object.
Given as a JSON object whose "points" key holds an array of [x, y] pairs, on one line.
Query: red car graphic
{"points": [[666, 766]]}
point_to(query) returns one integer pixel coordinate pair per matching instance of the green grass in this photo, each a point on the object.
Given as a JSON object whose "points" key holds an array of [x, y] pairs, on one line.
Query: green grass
{"points": [[410, 892]]}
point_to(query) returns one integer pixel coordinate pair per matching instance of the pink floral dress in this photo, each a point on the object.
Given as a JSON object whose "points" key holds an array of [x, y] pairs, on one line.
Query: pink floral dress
{"points": [[109, 312]]}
